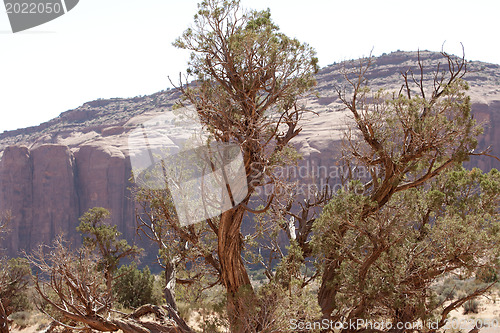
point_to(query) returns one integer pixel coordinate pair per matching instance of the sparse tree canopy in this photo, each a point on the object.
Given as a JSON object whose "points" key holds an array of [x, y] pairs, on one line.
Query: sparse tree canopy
{"points": [[134, 287], [178, 247], [248, 79], [74, 287], [104, 240], [14, 279], [76, 294], [385, 242]]}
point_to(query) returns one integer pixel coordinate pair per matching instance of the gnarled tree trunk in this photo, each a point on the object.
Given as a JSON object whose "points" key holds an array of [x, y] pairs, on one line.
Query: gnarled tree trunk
{"points": [[234, 274], [4, 321], [167, 321], [169, 289]]}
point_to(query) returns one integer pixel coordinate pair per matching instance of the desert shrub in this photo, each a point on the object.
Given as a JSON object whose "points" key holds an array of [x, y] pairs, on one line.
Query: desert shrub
{"points": [[20, 318], [20, 301], [196, 296], [258, 274], [276, 305], [14, 282], [454, 288], [471, 306], [487, 275], [209, 304], [133, 287]]}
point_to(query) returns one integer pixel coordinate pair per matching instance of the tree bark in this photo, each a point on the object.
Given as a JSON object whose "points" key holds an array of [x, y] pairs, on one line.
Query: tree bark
{"points": [[109, 285], [327, 290], [234, 274], [160, 314], [169, 289], [4, 321], [131, 323]]}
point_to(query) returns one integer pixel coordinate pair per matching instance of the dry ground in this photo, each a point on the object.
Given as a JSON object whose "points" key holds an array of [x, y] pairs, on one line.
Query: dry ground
{"points": [[489, 311]]}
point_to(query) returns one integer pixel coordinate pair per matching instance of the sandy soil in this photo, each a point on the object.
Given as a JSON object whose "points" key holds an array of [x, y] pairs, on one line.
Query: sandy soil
{"points": [[31, 329], [489, 313]]}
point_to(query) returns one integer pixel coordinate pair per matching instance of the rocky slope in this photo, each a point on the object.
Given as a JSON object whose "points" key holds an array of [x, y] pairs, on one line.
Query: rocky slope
{"points": [[52, 173]]}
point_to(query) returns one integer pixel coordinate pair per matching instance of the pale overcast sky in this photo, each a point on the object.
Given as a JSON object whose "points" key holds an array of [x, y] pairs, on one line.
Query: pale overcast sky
{"points": [[122, 48]]}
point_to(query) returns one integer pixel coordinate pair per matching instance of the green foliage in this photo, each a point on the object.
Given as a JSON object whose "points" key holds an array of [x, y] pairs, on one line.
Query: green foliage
{"points": [[291, 266], [255, 67], [14, 279], [487, 275], [133, 287], [20, 318], [104, 239], [419, 236], [287, 156], [275, 306], [471, 306], [19, 272]]}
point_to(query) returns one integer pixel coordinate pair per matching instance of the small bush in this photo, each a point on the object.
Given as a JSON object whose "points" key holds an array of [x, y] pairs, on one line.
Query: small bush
{"points": [[487, 275], [133, 287], [41, 326], [20, 318], [471, 306], [15, 274]]}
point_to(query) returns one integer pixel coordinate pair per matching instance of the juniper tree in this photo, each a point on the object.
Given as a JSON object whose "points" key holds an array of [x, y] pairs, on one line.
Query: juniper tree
{"points": [[384, 242], [248, 77], [104, 240], [14, 279], [134, 287], [72, 291]]}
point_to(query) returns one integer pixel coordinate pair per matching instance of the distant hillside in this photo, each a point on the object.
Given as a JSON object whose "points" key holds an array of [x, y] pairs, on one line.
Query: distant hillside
{"points": [[52, 173]]}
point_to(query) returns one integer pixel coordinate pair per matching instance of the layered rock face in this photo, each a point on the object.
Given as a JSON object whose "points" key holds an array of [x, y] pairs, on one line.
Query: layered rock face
{"points": [[16, 195], [55, 199], [103, 180], [488, 114], [80, 160], [48, 188]]}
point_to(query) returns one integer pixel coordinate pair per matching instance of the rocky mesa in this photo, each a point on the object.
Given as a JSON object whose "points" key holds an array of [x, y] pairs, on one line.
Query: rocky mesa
{"points": [[52, 173]]}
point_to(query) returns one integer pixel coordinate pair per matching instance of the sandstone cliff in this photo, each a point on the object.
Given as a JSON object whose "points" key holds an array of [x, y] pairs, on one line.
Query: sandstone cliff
{"points": [[52, 173], [49, 187]]}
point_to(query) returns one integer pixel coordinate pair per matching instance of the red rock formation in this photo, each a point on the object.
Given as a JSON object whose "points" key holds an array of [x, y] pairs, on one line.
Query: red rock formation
{"points": [[48, 188], [79, 159], [102, 180], [55, 207], [16, 195]]}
